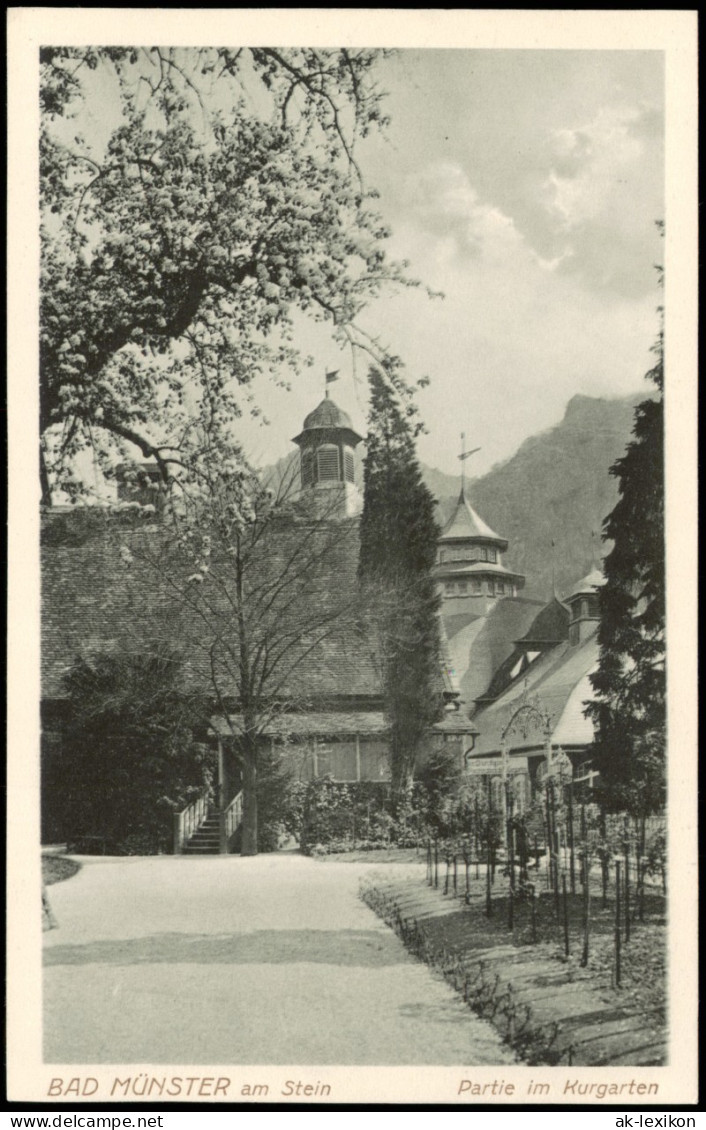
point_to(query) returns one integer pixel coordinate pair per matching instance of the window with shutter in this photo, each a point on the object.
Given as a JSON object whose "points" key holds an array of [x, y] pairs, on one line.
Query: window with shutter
{"points": [[327, 463], [350, 465], [307, 468]]}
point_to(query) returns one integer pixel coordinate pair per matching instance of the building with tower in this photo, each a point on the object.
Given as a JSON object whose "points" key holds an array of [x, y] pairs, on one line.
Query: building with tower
{"points": [[327, 445], [497, 644], [545, 682], [469, 570], [482, 605]]}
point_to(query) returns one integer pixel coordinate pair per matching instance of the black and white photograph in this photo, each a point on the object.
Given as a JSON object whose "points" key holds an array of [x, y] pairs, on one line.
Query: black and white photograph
{"points": [[359, 535]]}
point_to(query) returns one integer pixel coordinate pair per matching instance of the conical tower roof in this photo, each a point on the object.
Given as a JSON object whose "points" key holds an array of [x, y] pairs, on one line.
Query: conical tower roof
{"points": [[465, 523], [588, 584]]}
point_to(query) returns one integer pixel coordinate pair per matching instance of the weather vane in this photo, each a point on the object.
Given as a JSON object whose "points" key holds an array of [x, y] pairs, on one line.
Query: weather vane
{"points": [[463, 456]]}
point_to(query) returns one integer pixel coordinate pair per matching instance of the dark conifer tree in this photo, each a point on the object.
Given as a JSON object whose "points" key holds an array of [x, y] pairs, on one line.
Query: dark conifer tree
{"points": [[398, 548], [630, 711]]}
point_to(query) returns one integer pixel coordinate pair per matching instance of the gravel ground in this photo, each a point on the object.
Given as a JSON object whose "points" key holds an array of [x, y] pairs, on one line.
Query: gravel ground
{"points": [[227, 960]]}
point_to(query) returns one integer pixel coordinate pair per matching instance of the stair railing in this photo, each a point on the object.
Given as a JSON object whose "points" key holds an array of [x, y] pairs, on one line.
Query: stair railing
{"points": [[186, 822], [231, 819]]}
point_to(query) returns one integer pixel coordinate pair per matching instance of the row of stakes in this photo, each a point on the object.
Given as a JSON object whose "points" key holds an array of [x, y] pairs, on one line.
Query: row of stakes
{"points": [[478, 993], [622, 899]]}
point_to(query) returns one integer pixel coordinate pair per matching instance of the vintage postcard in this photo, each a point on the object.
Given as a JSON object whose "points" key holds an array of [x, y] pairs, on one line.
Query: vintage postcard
{"points": [[352, 693]]}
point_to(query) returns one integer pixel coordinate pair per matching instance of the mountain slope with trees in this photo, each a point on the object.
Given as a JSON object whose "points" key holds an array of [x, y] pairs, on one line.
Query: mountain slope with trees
{"points": [[556, 488]]}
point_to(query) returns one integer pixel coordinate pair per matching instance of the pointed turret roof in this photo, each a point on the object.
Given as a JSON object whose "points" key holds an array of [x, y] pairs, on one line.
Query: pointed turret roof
{"points": [[588, 584], [465, 523]]}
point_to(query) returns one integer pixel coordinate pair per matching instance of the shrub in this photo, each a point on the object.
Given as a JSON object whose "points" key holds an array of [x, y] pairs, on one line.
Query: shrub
{"points": [[338, 816], [280, 802], [128, 758]]}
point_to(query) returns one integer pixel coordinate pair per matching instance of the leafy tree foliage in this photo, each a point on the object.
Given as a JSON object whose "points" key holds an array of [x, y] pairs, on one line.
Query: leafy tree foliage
{"points": [[398, 547], [129, 758], [253, 582], [629, 710], [180, 243]]}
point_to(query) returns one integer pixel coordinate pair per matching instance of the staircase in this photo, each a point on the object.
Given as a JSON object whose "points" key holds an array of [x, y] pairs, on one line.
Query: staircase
{"points": [[206, 838], [197, 830]]}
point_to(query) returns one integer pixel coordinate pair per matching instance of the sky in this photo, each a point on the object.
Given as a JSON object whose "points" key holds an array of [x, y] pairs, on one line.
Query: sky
{"points": [[525, 185]]}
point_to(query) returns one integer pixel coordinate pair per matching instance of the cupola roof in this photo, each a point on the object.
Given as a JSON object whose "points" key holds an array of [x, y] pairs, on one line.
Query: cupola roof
{"points": [[327, 416], [465, 523]]}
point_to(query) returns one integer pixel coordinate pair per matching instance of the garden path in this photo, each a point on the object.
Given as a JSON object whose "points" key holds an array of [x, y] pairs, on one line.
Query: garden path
{"points": [[270, 960]]}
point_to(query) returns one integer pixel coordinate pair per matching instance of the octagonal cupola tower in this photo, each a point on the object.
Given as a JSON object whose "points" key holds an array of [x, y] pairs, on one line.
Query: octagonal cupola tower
{"points": [[327, 443], [469, 569]]}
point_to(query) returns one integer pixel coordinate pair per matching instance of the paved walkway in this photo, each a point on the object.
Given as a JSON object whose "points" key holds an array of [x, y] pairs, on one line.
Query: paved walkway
{"points": [[226, 960]]}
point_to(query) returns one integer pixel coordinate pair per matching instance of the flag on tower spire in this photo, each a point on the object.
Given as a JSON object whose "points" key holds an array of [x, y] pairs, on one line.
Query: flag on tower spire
{"points": [[331, 377]]}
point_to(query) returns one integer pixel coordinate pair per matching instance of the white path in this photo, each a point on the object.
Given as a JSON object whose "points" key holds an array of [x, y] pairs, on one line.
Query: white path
{"points": [[227, 960]]}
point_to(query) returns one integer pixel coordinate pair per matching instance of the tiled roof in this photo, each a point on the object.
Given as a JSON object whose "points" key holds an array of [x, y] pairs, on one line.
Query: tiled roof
{"points": [[465, 523], [558, 680], [455, 722], [550, 626], [92, 602], [476, 568], [309, 724], [448, 671], [327, 416], [479, 644]]}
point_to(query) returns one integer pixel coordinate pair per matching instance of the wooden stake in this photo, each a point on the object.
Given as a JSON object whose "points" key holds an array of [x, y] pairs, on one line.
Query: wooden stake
{"points": [[534, 914], [586, 871], [618, 881], [627, 892], [566, 914], [572, 871]]}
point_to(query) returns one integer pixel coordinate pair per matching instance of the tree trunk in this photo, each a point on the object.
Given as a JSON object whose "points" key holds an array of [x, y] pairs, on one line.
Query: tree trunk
{"points": [[44, 479], [402, 762], [248, 844]]}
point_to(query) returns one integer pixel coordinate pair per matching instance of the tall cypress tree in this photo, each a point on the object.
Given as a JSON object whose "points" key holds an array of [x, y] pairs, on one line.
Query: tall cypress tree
{"points": [[398, 548], [630, 708]]}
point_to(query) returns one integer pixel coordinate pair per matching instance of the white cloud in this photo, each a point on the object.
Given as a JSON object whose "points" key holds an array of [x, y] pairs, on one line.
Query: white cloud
{"points": [[441, 201]]}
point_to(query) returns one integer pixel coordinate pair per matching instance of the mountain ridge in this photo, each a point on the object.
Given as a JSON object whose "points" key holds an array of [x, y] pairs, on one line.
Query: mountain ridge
{"points": [[556, 488]]}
